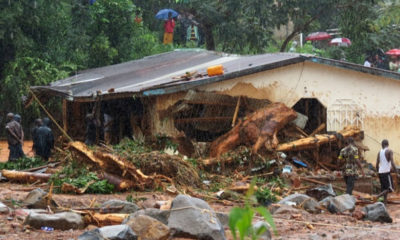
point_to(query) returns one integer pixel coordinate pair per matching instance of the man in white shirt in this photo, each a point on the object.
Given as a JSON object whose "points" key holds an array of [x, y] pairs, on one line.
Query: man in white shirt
{"points": [[384, 165]]}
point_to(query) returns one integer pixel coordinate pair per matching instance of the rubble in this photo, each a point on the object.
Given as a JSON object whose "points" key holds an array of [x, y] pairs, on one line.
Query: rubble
{"points": [[194, 218], [62, 221], [377, 213], [127, 207], [116, 232], [149, 228]]}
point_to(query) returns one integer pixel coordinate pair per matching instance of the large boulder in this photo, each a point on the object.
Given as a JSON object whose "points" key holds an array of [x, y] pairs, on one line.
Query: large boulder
{"points": [[62, 221], [300, 200], [148, 228], [127, 207], [321, 192], [194, 218], [37, 199], [377, 213], [341, 203], [160, 215]]}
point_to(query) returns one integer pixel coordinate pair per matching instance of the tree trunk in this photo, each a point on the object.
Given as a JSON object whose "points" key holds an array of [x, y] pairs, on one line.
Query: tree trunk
{"points": [[208, 32], [259, 129]]}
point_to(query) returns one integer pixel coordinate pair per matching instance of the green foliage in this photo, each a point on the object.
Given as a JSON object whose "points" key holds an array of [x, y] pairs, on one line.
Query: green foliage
{"points": [[129, 147], [79, 176], [240, 219], [264, 196], [23, 163]]}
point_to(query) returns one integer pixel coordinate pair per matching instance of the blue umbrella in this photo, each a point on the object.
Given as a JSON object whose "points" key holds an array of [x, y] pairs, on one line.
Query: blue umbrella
{"points": [[163, 14]]}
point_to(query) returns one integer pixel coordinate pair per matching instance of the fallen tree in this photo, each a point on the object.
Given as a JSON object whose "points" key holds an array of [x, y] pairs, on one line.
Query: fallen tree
{"points": [[118, 167], [259, 129]]}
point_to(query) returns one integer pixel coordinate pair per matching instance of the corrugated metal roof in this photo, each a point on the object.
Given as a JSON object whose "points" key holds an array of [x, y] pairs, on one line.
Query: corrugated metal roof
{"points": [[155, 71], [155, 75]]}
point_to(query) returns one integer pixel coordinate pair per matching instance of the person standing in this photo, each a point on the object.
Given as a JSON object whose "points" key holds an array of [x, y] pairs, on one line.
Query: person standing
{"points": [[384, 165], [91, 129], [108, 121], [169, 26], [14, 138], [45, 140], [38, 123], [351, 160], [18, 118]]}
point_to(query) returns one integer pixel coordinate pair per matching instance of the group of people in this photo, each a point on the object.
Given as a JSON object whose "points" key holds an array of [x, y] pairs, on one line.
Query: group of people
{"points": [[384, 166], [376, 61], [42, 137]]}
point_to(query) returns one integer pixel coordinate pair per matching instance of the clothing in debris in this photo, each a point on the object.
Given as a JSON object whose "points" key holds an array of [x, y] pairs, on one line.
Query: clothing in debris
{"points": [[44, 140]]}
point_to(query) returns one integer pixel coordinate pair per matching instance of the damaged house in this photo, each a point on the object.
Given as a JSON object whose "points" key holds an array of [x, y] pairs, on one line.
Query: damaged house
{"points": [[172, 95]]}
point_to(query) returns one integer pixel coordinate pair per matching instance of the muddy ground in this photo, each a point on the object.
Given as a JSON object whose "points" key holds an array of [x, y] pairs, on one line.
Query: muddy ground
{"points": [[289, 226]]}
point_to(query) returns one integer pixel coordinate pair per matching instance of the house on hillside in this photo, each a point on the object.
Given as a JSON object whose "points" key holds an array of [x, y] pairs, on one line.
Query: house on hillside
{"points": [[171, 94]]}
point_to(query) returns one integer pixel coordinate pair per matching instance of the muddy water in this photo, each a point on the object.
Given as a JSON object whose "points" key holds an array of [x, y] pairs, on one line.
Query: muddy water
{"points": [[4, 150]]}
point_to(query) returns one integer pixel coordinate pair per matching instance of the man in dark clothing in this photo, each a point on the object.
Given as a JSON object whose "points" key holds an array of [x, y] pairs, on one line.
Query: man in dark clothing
{"points": [[17, 118], [38, 123], [45, 140], [350, 173], [91, 128], [14, 138], [385, 165]]}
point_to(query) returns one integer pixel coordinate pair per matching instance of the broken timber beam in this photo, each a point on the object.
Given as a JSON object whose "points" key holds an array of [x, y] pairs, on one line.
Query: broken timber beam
{"points": [[314, 142], [25, 177]]}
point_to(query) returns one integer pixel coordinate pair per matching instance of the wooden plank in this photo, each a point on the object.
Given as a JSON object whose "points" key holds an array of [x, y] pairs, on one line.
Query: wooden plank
{"points": [[318, 129], [65, 115], [236, 112], [209, 103]]}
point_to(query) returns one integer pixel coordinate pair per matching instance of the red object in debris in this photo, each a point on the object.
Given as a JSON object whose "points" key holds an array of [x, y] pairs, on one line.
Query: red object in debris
{"points": [[393, 52], [343, 42], [317, 36]]}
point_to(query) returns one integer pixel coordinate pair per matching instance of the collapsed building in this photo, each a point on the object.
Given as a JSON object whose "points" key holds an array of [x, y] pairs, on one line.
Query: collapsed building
{"points": [[172, 95]]}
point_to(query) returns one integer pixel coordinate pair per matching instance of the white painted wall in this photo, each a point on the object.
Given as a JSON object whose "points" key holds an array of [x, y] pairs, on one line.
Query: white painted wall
{"points": [[378, 97]]}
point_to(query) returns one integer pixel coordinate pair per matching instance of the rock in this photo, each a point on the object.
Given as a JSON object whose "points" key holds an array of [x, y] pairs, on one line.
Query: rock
{"points": [[91, 235], [321, 192], [160, 215], [128, 207], [307, 203], [194, 218], [62, 221], [342, 203], [36, 199], [223, 218], [326, 201], [266, 235], [4, 209], [148, 228], [117, 232], [276, 209], [377, 213]]}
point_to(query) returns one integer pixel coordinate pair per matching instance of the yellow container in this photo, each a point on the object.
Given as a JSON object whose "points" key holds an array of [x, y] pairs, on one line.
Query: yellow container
{"points": [[215, 70]]}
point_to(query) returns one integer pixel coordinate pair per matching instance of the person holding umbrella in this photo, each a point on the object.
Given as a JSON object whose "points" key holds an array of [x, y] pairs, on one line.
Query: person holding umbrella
{"points": [[169, 26]]}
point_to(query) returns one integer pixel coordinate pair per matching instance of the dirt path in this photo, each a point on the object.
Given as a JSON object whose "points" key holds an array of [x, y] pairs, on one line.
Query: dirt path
{"points": [[4, 150], [289, 226]]}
